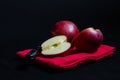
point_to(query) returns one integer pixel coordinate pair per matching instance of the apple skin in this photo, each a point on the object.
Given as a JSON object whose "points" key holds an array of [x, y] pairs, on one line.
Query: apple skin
{"points": [[65, 27], [88, 40]]}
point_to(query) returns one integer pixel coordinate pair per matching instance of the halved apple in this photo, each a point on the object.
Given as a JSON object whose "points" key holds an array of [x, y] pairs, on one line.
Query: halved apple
{"points": [[56, 45]]}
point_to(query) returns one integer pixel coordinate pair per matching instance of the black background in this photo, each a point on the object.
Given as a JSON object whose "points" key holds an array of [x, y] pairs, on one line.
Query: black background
{"points": [[26, 23]]}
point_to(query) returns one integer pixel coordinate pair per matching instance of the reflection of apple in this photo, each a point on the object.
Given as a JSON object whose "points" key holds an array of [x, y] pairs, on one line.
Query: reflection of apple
{"points": [[56, 45], [64, 27], [88, 40]]}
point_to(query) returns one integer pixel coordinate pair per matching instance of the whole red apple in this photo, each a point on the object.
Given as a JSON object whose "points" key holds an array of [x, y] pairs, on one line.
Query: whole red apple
{"points": [[88, 40], [65, 27]]}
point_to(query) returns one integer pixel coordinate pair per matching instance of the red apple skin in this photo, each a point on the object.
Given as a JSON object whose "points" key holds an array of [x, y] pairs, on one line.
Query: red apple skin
{"points": [[88, 40], [64, 27]]}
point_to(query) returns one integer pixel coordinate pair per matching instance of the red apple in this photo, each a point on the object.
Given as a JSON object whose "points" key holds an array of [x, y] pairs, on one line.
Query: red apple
{"points": [[88, 40], [65, 27]]}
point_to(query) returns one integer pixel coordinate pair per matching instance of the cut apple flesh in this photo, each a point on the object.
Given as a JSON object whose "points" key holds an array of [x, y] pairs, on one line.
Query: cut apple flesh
{"points": [[55, 45]]}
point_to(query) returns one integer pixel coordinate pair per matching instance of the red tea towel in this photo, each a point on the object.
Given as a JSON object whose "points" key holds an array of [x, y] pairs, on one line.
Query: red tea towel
{"points": [[72, 60]]}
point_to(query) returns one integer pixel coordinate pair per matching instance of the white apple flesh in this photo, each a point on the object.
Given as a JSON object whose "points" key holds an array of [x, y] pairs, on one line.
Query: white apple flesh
{"points": [[55, 45]]}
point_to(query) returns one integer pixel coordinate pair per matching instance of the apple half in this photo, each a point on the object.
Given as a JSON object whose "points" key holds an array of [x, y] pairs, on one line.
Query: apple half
{"points": [[56, 45]]}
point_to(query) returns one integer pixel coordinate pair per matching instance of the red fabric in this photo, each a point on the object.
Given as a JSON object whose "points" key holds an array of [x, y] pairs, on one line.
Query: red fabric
{"points": [[72, 60]]}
